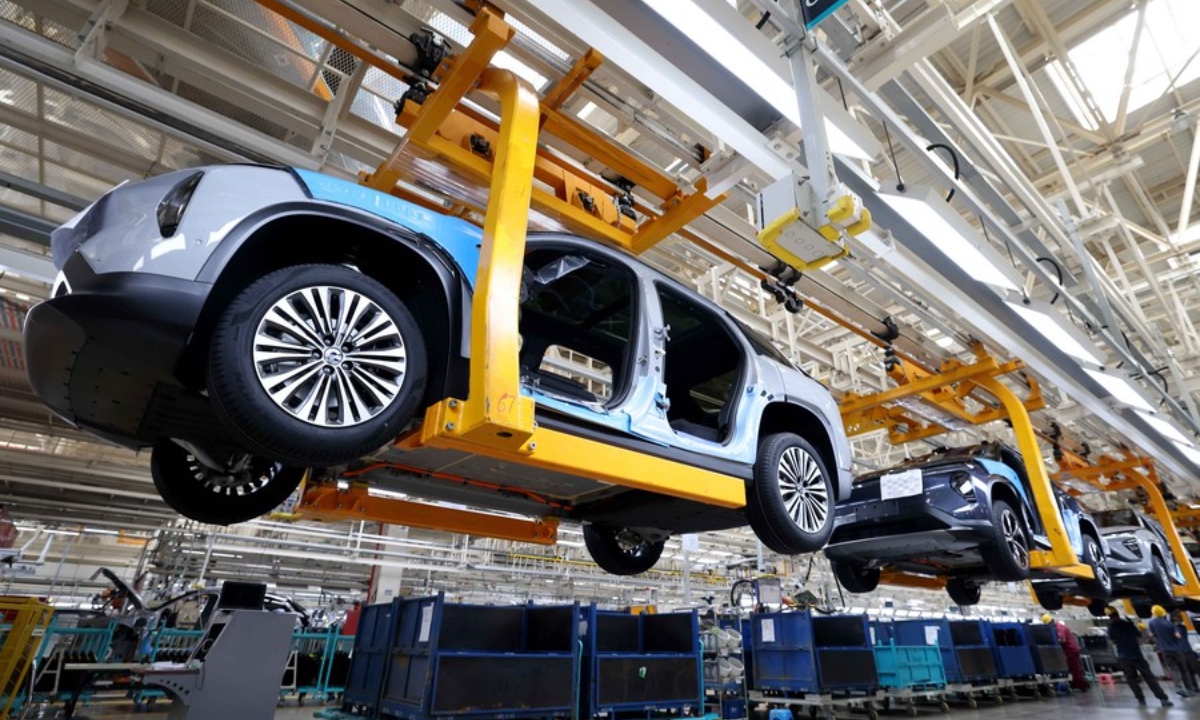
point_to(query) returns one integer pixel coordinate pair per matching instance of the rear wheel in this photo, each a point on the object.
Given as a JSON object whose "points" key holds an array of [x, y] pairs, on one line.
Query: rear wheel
{"points": [[789, 503], [1142, 609], [1162, 589], [1101, 586], [1051, 600], [316, 365], [245, 487], [856, 578], [964, 591], [621, 551], [1007, 556], [1097, 608]]}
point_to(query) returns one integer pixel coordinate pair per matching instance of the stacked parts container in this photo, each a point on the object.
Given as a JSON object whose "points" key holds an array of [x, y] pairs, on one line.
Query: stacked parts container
{"points": [[909, 667], [635, 665], [965, 644], [1011, 646], [1048, 656], [369, 662], [800, 653], [482, 662]]}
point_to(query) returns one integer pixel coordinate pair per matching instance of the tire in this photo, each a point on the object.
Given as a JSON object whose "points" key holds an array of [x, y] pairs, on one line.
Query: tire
{"points": [[1097, 608], [1161, 589], [1051, 600], [789, 466], [1101, 587], [1143, 609], [1007, 556], [963, 591], [619, 555], [205, 495], [370, 382], [856, 578]]}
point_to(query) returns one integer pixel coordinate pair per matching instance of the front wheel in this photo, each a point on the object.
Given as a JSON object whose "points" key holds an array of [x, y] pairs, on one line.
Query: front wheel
{"points": [[245, 488], [964, 591], [856, 578], [1161, 590], [621, 551], [1051, 600], [1100, 586], [1007, 555], [789, 503], [316, 365]]}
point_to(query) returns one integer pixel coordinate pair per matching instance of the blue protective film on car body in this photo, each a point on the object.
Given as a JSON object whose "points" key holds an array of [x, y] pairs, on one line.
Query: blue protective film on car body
{"points": [[458, 237], [995, 467]]}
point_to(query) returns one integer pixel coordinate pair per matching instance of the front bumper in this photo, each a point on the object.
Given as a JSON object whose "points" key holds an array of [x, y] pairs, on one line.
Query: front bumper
{"points": [[938, 520], [104, 356]]}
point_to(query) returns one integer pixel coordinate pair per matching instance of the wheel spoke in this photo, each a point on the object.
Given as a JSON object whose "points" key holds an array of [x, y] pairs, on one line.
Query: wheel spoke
{"points": [[330, 356]]}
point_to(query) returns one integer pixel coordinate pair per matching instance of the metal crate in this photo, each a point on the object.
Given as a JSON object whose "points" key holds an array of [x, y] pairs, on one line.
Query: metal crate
{"points": [[903, 667], [800, 653], [965, 644], [1013, 651]]}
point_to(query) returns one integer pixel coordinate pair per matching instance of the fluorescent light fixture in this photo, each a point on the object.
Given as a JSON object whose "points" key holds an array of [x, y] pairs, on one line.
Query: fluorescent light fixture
{"points": [[1192, 453], [725, 47], [936, 220], [100, 531], [1122, 390], [388, 494], [63, 532], [1044, 319], [1166, 429]]}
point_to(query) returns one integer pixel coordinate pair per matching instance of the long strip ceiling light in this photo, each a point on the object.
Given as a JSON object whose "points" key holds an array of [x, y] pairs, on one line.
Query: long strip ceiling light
{"points": [[945, 228], [1122, 390], [1043, 318], [1166, 429], [724, 47]]}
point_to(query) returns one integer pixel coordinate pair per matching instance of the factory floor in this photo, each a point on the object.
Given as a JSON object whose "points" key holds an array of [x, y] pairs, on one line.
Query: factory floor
{"points": [[1101, 703]]}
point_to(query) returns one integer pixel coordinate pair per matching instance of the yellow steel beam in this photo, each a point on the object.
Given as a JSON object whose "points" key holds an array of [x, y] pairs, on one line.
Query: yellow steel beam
{"points": [[1060, 558], [858, 403], [1187, 517], [325, 503], [562, 452], [460, 74], [574, 79]]}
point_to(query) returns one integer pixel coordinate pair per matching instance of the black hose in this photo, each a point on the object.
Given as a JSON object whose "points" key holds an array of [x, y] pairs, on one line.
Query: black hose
{"points": [[953, 158], [1058, 271]]}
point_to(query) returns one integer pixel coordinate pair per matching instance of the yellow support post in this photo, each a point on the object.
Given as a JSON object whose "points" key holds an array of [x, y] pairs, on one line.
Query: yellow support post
{"points": [[27, 619], [495, 412], [1158, 506], [1060, 558]]}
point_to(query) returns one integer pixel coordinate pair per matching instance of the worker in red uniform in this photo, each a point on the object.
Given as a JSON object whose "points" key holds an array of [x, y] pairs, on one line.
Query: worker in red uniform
{"points": [[1070, 648]]}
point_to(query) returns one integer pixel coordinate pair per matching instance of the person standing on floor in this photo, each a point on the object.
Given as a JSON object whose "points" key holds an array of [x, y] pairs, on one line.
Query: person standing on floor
{"points": [[1174, 648], [1189, 654], [1128, 642], [1070, 648]]}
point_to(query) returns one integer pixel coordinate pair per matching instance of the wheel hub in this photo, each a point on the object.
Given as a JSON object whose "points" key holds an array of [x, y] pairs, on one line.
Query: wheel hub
{"points": [[802, 489], [329, 356]]}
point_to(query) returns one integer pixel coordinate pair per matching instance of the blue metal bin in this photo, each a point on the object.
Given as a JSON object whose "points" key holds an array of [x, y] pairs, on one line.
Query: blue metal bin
{"points": [[965, 644], [1014, 655], [909, 667]]}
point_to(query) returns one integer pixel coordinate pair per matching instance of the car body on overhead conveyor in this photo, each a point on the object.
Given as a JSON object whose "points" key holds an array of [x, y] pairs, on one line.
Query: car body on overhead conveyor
{"points": [[249, 322], [1143, 567], [966, 514]]}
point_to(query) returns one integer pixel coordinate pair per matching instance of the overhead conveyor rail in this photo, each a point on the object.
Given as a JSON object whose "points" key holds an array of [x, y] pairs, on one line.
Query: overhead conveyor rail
{"points": [[501, 170], [948, 392], [1134, 472]]}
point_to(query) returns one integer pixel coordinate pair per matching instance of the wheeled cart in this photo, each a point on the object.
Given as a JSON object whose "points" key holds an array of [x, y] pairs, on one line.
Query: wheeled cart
{"points": [[822, 705]]}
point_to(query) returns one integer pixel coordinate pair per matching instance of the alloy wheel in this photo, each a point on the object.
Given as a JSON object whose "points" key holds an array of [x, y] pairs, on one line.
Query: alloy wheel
{"points": [[1099, 567], [329, 356], [1014, 538], [802, 488]]}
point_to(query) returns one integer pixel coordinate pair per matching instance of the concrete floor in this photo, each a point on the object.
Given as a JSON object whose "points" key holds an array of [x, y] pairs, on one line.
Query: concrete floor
{"points": [[1099, 704]]}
